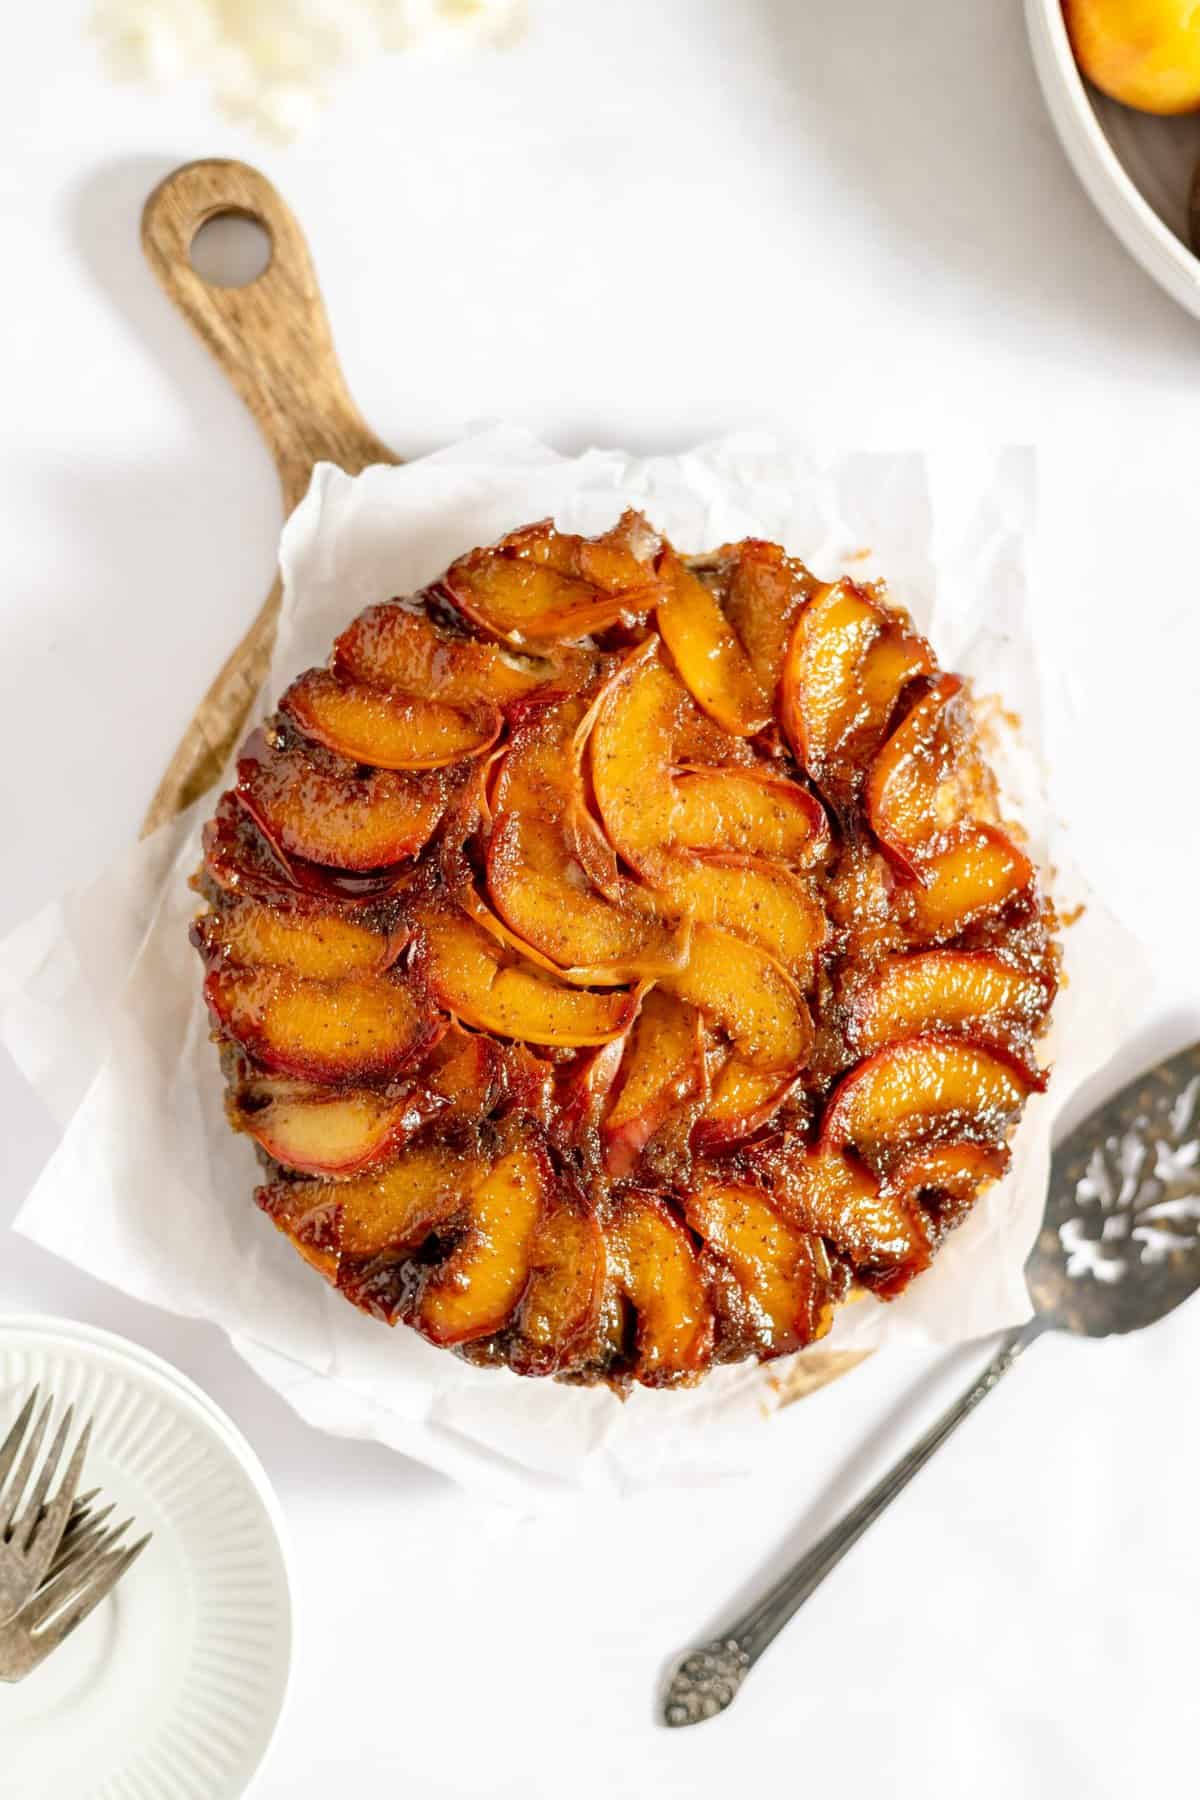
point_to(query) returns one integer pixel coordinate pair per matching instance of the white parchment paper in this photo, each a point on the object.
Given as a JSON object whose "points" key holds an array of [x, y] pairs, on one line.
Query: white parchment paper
{"points": [[100, 994]]}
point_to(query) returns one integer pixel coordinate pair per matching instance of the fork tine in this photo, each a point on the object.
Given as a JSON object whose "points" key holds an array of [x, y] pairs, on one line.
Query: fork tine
{"points": [[12, 1443], [81, 1516], [104, 1579], [33, 1512], [87, 1520], [102, 1541], [48, 1531], [25, 1468], [73, 1576], [75, 1542]]}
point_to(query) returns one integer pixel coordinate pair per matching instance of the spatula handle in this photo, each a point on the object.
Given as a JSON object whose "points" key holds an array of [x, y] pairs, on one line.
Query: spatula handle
{"points": [[708, 1678]]}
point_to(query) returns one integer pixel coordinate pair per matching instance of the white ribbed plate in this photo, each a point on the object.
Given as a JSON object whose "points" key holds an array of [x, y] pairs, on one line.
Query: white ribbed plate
{"points": [[173, 1688]]}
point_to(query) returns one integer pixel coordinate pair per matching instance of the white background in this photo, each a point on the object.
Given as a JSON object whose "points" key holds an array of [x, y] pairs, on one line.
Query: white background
{"points": [[648, 224]]}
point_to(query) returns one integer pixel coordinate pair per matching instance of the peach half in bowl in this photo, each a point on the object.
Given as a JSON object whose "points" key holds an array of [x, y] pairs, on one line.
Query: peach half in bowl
{"points": [[1137, 167]]}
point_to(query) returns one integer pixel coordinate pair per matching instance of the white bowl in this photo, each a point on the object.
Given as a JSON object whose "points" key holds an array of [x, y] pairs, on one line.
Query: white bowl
{"points": [[1136, 168]]}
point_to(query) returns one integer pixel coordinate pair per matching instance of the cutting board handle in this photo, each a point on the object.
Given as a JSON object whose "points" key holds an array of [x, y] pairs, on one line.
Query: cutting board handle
{"points": [[273, 341], [271, 336]]}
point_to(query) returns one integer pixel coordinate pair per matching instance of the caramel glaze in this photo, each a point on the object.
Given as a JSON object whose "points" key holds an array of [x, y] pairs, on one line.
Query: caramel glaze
{"points": [[704, 1242]]}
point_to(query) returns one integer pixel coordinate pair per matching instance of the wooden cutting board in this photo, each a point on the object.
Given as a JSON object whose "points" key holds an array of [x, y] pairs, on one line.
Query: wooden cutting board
{"points": [[272, 339]]}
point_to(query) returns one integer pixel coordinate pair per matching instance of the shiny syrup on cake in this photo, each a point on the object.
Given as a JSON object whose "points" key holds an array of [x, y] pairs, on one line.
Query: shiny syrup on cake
{"points": [[618, 958]]}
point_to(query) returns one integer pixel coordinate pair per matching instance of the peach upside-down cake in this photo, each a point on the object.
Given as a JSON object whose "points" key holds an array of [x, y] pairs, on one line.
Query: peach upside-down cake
{"points": [[618, 959]]}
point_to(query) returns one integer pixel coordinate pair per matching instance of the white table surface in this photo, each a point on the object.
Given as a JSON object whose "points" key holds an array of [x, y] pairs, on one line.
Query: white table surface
{"points": [[648, 224]]}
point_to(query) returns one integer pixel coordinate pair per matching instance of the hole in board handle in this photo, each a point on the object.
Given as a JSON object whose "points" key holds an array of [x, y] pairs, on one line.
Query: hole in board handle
{"points": [[231, 249]]}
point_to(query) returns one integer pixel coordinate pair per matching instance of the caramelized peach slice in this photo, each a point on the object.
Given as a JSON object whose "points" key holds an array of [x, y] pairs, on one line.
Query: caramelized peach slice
{"points": [[923, 1083], [906, 780], [344, 821], [307, 1214], [764, 592], [396, 1209], [847, 661], [749, 811], [633, 728], [466, 1071], [319, 945], [617, 558], [951, 989], [535, 877], [540, 774], [389, 1212], [881, 1234], [543, 893], [536, 772], [530, 1084], [384, 1219], [714, 667], [752, 899], [391, 646], [583, 1090], [318, 1136], [479, 1286], [743, 1099], [946, 1179], [562, 1302], [746, 993], [606, 1353], [662, 1068], [384, 729], [598, 975], [541, 583], [471, 975], [639, 726], [654, 1266], [979, 871], [596, 857], [241, 859], [344, 1030], [783, 1293]]}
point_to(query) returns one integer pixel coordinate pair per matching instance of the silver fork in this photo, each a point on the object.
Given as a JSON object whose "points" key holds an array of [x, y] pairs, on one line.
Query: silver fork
{"points": [[29, 1542], [88, 1571]]}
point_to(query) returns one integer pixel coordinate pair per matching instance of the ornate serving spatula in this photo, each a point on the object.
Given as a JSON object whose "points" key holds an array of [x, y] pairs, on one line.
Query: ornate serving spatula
{"points": [[1119, 1248]]}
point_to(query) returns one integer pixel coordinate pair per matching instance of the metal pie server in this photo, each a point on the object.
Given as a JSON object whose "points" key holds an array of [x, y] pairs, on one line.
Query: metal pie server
{"points": [[1119, 1248]]}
